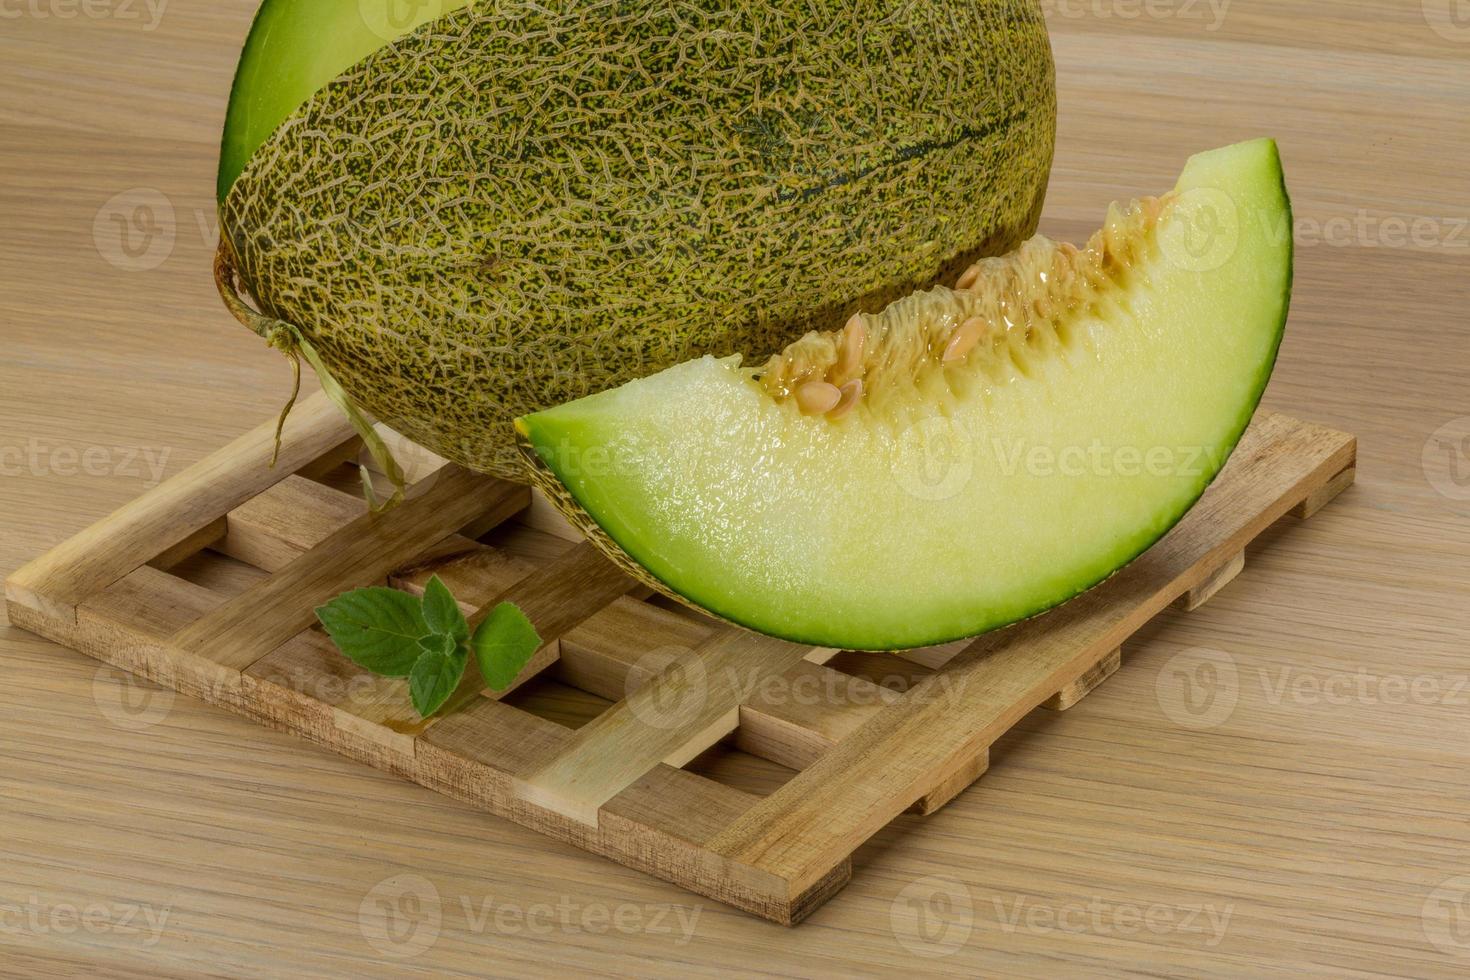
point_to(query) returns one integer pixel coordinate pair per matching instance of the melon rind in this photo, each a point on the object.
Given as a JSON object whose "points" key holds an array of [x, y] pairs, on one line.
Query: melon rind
{"points": [[703, 484], [518, 205], [296, 47]]}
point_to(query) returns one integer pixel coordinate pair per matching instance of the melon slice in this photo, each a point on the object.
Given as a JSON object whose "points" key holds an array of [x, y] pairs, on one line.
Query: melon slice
{"points": [[968, 457]]}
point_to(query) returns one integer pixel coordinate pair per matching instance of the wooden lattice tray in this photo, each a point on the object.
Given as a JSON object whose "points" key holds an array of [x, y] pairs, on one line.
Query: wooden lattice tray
{"points": [[208, 583]]}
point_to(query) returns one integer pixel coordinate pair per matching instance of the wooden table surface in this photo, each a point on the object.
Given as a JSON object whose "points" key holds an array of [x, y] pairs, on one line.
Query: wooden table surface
{"points": [[1315, 815]]}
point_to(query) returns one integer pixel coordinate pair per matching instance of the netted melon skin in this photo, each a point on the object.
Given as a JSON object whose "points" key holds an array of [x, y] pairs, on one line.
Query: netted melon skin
{"points": [[518, 206]]}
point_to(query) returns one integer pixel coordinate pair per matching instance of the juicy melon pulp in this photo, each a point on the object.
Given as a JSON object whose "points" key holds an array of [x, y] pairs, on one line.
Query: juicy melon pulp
{"points": [[995, 450]]}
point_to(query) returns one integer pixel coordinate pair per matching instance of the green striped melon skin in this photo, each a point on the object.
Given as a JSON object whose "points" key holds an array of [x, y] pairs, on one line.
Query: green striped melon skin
{"points": [[518, 205]]}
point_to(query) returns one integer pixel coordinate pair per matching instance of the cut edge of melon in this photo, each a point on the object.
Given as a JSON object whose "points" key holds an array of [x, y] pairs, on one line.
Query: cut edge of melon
{"points": [[1212, 169]]}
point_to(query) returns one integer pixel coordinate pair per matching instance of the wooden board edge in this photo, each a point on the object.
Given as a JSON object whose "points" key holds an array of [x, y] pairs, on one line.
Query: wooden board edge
{"points": [[615, 836], [23, 602]]}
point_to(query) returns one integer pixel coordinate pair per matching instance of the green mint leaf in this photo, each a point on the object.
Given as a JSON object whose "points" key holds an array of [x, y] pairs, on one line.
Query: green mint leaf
{"points": [[504, 643], [440, 643], [435, 676], [377, 628], [442, 613]]}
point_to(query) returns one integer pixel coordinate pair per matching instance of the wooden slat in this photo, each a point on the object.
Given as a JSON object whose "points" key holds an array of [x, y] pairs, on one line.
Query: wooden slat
{"points": [[182, 506], [1072, 695], [659, 823], [952, 785], [254, 623], [791, 722], [474, 572], [1325, 494], [334, 459], [218, 573], [308, 674], [934, 657], [276, 527], [812, 823], [506, 741], [687, 707], [1210, 587], [206, 537], [812, 709], [126, 625], [279, 525], [808, 709], [621, 648]]}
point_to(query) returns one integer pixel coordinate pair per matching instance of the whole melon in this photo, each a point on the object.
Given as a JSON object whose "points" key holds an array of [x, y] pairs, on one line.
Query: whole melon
{"points": [[512, 205]]}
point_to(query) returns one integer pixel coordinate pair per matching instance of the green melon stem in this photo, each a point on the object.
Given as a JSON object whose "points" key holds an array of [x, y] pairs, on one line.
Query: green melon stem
{"points": [[289, 340]]}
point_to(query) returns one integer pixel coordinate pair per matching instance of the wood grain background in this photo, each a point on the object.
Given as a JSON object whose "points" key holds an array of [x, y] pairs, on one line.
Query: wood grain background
{"points": [[1318, 825]]}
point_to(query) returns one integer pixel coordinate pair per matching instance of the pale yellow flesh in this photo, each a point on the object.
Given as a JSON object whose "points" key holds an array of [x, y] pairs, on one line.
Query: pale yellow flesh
{"points": [[997, 493]]}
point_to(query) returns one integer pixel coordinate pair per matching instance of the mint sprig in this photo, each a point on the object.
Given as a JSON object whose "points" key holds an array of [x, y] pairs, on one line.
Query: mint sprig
{"points": [[428, 640]]}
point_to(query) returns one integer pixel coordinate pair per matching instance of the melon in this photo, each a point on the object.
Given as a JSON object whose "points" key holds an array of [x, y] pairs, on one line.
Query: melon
{"points": [[482, 210], [963, 459]]}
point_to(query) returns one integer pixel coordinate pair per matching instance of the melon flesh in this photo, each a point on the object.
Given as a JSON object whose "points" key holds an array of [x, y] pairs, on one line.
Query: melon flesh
{"points": [[984, 490]]}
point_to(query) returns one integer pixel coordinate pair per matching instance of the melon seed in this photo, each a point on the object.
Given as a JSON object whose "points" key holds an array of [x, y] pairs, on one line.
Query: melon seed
{"points": [[852, 393], [850, 351], [964, 339], [817, 397]]}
